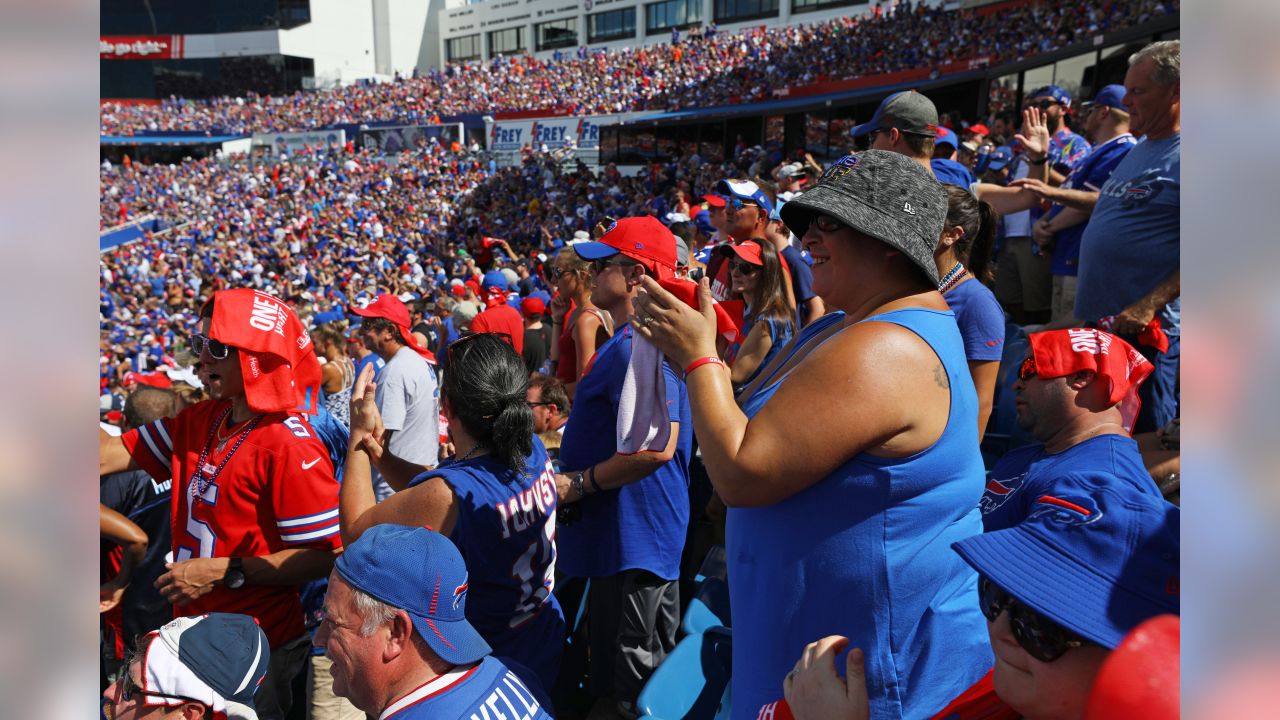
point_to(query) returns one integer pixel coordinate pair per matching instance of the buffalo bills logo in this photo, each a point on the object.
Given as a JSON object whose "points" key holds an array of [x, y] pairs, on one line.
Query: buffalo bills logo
{"points": [[1073, 510], [460, 595], [612, 225], [842, 167], [998, 492]]}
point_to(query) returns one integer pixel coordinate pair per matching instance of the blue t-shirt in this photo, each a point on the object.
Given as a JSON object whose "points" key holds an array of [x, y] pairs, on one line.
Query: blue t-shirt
{"points": [[506, 534], [640, 525], [866, 553], [1131, 244], [1090, 174], [372, 358], [1021, 477], [980, 318], [488, 689], [951, 172]]}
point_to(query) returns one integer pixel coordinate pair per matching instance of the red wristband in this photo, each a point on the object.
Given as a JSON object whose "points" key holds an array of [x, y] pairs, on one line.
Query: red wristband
{"points": [[709, 360]]}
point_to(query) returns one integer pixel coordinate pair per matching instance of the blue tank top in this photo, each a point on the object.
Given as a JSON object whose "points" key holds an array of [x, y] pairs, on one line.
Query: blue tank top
{"points": [[506, 533], [486, 690], [866, 553]]}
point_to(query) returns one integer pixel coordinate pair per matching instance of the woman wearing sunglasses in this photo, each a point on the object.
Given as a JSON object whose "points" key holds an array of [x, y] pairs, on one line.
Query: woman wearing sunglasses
{"points": [[496, 499], [853, 462], [582, 326], [756, 274]]}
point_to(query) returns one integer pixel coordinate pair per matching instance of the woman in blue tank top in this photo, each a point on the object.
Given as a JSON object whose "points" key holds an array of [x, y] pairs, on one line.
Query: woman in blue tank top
{"points": [[755, 273], [496, 500], [853, 463]]}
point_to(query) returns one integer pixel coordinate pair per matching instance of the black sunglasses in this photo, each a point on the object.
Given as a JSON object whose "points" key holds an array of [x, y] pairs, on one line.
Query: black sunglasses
{"points": [[743, 267], [827, 224], [217, 350], [1044, 104], [128, 688], [1027, 369], [600, 265], [1041, 637]]}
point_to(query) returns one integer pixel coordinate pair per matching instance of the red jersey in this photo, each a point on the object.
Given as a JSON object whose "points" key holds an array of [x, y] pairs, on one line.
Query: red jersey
{"points": [[502, 318], [257, 493]]}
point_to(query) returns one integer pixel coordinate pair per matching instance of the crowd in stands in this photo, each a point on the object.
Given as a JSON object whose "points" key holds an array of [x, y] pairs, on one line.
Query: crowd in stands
{"points": [[704, 70], [399, 409]]}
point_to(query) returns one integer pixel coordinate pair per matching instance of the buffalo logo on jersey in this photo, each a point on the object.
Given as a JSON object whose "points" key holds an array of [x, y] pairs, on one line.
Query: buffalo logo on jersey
{"points": [[840, 168], [1075, 510], [998, 492], [460, 595]]}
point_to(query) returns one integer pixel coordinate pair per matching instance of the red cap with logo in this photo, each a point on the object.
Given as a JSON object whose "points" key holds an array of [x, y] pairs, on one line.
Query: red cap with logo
{"points": [[392, 309], [643, 239]]}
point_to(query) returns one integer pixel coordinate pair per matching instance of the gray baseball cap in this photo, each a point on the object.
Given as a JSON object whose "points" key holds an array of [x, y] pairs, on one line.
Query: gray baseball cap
{"points": [[909, 111], [882, 194]]}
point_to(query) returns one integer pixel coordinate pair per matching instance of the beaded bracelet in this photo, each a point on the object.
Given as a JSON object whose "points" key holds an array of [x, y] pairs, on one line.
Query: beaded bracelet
{"points": [[709, 360]]}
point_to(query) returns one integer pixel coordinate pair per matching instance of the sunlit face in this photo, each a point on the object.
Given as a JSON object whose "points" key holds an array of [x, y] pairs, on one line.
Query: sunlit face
{"points": [[744, 276], [339, 635], [843, 259], [1153, 108], [117, 707], [1042, 690], [223, 378]]}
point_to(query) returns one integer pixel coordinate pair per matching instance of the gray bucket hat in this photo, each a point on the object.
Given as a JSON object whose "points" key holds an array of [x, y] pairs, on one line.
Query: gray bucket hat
{"points": [[882, 194]]}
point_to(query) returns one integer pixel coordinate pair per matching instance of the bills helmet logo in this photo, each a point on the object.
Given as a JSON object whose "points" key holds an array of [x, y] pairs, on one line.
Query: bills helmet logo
{"points": [[841, 167], [1073, 510], [460, 595], [998, 492]]}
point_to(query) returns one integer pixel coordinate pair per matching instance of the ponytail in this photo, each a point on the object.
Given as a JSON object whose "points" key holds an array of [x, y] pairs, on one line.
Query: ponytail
{"points": [[487, 387]]}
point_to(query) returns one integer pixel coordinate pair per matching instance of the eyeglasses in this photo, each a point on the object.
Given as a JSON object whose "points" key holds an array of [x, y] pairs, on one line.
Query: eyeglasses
{"points": [[1027, 369], [217, 350], [1041, 637], [1044, 104], [741, 266], [602, 264], [128, 688], [555, 272], [828, 224], [734, 204], [871, 136]]}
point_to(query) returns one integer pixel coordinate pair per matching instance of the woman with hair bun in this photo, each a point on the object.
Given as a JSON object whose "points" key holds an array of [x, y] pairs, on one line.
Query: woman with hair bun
{"points": [[495, 499]]}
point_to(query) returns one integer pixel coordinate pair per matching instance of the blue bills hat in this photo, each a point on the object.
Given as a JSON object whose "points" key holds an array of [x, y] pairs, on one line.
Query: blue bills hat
{"points": [[1110, 95], [1097, 557], [908, 111], [1052, 92], [218, 660], [882, 194], [745, 190], [995, 160], [422, 573]]}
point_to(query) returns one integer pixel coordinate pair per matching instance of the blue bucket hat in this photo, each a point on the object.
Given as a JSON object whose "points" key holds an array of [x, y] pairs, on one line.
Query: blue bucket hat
{"points": [[421, 572], [1097, 557]]}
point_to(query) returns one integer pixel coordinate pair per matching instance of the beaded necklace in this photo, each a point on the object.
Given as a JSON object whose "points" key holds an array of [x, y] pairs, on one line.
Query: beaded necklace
{"points": [[199, 485], [952, 278]]}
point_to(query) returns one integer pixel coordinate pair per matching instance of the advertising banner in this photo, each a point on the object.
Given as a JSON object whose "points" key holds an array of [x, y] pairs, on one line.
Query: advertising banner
{"points": [[394, 140], [296, 142], [140, 47]]}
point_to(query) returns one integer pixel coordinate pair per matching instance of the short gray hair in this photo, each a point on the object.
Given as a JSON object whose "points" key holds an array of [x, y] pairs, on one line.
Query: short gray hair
{"points": [[373, 612], [1167, 56]]}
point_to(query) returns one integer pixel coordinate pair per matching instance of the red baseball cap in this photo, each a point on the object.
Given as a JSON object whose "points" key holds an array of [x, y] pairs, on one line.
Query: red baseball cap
{"points": [[388, 307], [748, 250], [714, 200], [978, 129], [533, 306], [644, 239]]}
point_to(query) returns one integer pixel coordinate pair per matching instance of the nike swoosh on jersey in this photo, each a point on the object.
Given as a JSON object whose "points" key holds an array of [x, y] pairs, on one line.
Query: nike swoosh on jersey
{"points": [[309, 465]]}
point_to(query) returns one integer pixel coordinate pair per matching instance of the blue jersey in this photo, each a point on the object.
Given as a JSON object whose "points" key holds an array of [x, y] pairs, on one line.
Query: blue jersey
{"points": [[980, 318], [485, 691], [640, 525], [506, 532], [1022, 476], [1091, 174]]}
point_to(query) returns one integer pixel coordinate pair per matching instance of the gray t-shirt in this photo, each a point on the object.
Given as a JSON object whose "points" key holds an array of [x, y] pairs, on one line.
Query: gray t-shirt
{"points": [[408, 398]]}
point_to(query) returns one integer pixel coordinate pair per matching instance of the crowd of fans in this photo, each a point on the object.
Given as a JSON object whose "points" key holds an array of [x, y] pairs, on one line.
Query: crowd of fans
{"points": [[704, 70], [427, 347]]}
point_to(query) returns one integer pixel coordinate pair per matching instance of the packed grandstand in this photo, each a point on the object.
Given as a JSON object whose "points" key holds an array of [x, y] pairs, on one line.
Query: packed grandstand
{"points": [[371, 254]]}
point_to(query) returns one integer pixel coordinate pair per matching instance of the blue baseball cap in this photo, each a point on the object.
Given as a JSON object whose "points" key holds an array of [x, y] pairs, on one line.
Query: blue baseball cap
{"points": [[745, 190], [908, 111], [494, 279], [421, 572], [1095, 555], [1110, 95], [946, 137], [995, 160], [703, 221], [1054, 93], [218, 659]]}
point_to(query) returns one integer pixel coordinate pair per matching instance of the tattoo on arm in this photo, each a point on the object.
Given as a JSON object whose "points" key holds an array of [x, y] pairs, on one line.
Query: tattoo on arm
{"points": [[940, 377]]}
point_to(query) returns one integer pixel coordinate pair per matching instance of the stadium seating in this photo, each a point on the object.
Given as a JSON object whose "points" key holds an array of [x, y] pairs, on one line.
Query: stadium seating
{"points": [[693, 682]]}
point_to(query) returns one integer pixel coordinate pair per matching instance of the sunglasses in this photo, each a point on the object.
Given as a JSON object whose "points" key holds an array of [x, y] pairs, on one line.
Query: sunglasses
{"points": [[1041, 637], [128, 689], [602, 264], [742, 266], [1044, 104], [828, 224], [217, 350], [1027, 369], [556, 273], [735, 204]]}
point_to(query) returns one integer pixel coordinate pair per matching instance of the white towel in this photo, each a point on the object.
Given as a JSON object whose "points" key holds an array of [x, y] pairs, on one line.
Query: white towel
{"points": [[643, 421]]}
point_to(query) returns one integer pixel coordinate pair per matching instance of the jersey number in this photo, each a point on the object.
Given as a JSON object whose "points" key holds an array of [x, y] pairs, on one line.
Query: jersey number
{"points": [[295, 425], [197, 529], [534, 590]]}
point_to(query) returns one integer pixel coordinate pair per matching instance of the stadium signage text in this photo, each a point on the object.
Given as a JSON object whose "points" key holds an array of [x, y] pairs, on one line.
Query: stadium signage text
{"points": [[140, 47]]}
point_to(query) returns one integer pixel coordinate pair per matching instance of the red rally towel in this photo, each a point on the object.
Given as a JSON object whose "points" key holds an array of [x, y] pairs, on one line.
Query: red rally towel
{"points": [[1058, 353], [687, 292], [1152, 335], [280, 368]]}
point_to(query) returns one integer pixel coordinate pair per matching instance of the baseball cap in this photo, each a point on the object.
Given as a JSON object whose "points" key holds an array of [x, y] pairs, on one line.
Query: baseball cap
{"points": [[946, 137], [682, 251], [995, 160], [703, 222], [639, 238], [1096, 556], [714, 200], [1054, 92], [218, 659], [494, 279], [883, 194], [909, 111], [748, 250], [979, 129], [388, 307], [745, 190], [532, 306], [421, 572], [1110, 95], [791, 170]]}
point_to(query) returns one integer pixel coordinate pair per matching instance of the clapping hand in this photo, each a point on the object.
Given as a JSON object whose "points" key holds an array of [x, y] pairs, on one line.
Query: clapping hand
{"points": [[1035, 134]]}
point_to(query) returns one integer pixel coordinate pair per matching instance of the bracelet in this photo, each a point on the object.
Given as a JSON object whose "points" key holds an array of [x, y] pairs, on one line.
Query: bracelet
{"points": [[591, 477], [709, 360], [1041, 161], [576, 484]]}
